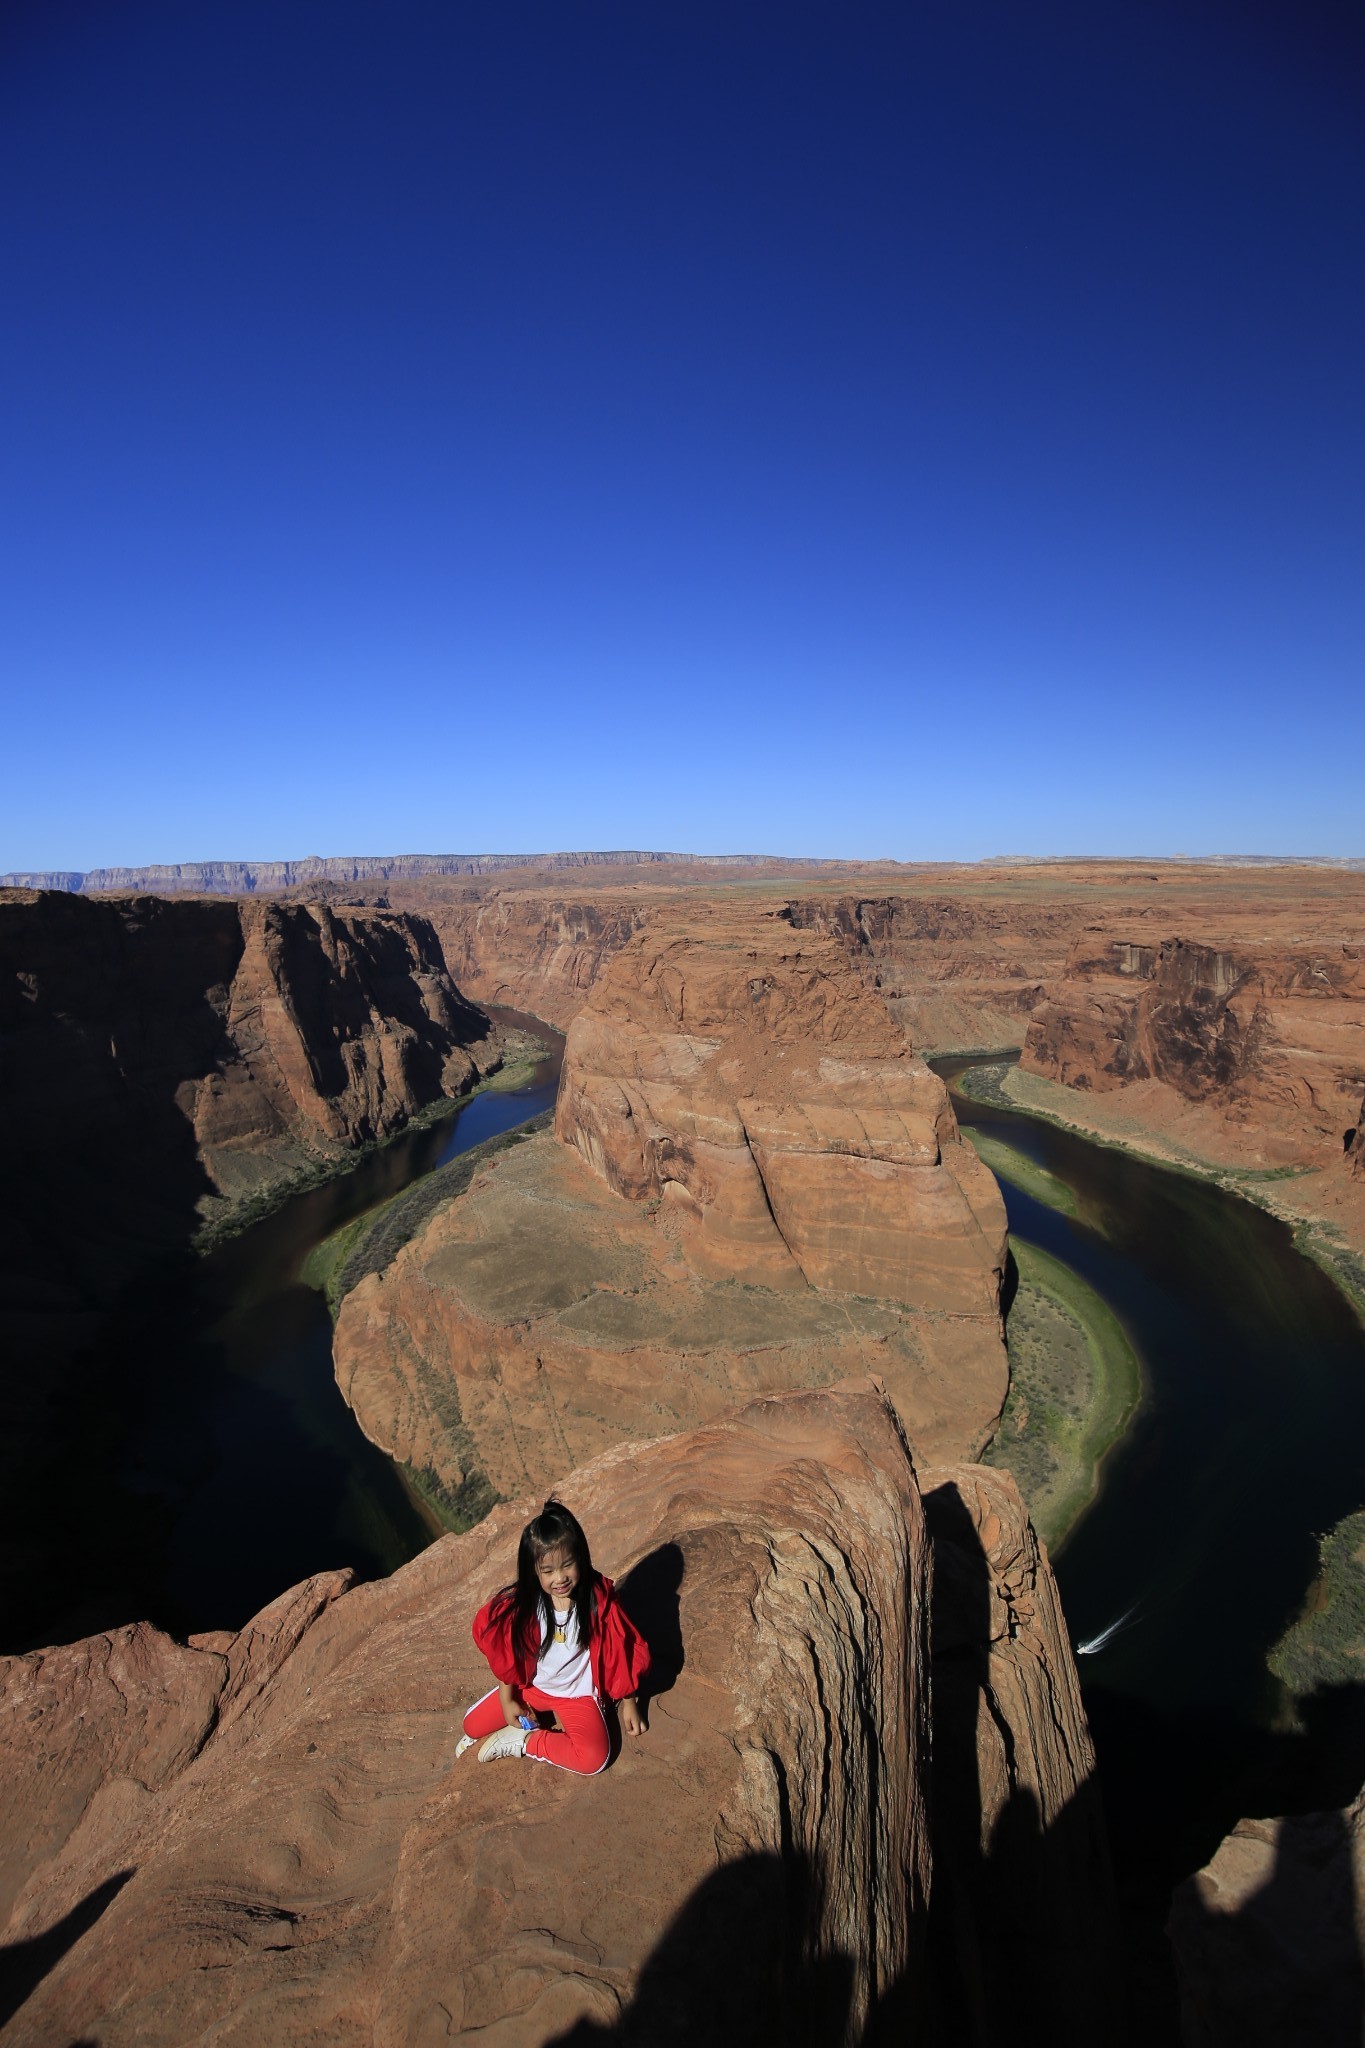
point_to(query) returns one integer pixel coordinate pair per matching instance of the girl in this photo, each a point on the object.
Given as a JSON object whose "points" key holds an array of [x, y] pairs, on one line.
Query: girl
{"points": [[558, 1645]]}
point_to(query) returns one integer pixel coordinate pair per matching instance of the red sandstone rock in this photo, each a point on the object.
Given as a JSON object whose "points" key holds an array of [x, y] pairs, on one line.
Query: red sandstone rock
{"points": [[319, 1868], [163, 1062], [531, 952], [539, 1319], [751, 1079], [1269, 1039], [1269, 1937]]}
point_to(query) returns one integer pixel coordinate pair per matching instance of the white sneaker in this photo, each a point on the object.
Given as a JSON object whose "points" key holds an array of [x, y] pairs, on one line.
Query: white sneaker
{"points": [[505, 1742]]}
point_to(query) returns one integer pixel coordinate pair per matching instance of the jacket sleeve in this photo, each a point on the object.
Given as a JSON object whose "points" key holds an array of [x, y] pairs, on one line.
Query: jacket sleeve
{"points": [[493, 1636], [625, 1653]]}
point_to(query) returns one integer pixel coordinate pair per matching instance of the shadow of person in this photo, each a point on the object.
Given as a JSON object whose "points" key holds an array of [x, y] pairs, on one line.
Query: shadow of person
{"points": [[649, 1594], [732, 1969], [24, 1964]]}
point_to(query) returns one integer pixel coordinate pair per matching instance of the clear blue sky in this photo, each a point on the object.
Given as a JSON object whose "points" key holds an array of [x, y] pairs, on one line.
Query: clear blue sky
{"points": [[930, 430]]}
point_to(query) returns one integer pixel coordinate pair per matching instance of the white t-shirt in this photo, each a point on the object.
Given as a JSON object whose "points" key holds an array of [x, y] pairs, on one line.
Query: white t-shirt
{"points": [[564, 1667]]}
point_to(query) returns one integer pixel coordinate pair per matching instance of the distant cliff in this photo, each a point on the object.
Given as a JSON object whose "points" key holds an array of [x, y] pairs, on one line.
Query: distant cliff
{"points": [[252, 877], [1265, 1036]]}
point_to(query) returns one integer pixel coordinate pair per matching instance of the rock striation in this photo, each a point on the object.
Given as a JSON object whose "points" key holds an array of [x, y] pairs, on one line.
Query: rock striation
{"points": [[268, 1837], [748, 1079], [754, 1185], [957, 974], [1264, 1037], [256, 1033], [281, 1845], [531, 952]]}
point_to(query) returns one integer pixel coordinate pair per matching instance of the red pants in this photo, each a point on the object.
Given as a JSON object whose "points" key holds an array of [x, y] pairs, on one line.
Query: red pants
{"points": [[581, 1744]]}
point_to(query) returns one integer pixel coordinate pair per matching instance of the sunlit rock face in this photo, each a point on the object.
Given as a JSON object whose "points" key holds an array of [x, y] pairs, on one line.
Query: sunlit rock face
{"points": [[280, 1845], [1262, 1036], [750, 1078], [268, 1837]]}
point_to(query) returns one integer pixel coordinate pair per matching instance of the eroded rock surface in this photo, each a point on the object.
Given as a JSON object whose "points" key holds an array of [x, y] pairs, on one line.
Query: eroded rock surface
{"points": [[1270, 1040], [540, 1319], [1269, 1937], [313, 1865], [751, 1080]]}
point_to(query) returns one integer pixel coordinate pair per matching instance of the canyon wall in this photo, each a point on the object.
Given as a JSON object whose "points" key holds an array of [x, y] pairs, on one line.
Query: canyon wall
{"points": [[163, 1064], [269, 1837], [959, 975], [1270, 1035], [536, 953], [248, 1037]]}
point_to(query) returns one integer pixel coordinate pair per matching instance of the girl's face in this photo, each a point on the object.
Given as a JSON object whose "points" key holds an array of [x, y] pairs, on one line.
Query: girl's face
{"points": [[558, 1575]]}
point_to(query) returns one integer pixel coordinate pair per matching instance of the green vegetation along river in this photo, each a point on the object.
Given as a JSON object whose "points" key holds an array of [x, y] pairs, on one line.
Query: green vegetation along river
{"points": [[1200, 1546]]}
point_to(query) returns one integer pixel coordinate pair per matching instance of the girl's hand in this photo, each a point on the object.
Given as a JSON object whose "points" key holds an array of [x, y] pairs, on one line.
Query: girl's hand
{"points": [[632, 1720], [512, 1709]]}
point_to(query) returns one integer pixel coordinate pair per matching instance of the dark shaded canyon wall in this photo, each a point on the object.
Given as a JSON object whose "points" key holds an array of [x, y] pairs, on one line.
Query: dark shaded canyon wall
{"points": [[269, 1835], [177, 1049], [1269, 1937], [160, 1060], [1271, 1034]]}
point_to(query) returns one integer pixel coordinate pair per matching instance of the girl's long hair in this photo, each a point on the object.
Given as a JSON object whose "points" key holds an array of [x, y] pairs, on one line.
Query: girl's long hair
{"points": [[554, 1528]]}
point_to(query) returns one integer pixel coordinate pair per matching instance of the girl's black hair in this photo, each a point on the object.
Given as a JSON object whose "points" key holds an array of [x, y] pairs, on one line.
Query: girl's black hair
{"points": [[554, 1528]]}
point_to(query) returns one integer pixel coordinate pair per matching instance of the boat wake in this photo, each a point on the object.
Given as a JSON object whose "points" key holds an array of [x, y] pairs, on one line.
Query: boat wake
{"points": [[1106, 1635]]}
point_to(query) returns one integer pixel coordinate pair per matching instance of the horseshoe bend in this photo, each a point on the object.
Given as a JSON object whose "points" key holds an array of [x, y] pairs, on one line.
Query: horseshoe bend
{"points": [[743, 1307]]}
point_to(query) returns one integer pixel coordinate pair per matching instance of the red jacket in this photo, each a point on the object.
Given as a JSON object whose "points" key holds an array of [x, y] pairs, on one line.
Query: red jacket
{"points": [[618, 1655]]}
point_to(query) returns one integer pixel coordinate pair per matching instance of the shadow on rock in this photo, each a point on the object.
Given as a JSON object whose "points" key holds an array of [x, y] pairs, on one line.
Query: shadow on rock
{"points": [[1268, 1937], [24, 1964], [649, 1593], [730, 1970], [1022, 1921]]}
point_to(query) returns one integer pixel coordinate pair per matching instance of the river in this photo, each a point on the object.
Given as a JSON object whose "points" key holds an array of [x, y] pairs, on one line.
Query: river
{"points": [[1248, 1441], [241, 1469]]}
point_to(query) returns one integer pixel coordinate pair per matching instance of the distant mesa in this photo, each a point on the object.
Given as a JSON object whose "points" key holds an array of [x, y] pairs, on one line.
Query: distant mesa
{"points": [[251, 877]]}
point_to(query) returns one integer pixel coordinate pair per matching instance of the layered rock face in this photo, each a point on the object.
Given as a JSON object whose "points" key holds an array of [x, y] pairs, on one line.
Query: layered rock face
{"points": [[1269, 1937], [957, 975], [756, 1185], [745, 1076], [268, 1837], [234, 1029], [537, 953], [1265, 1038]]}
